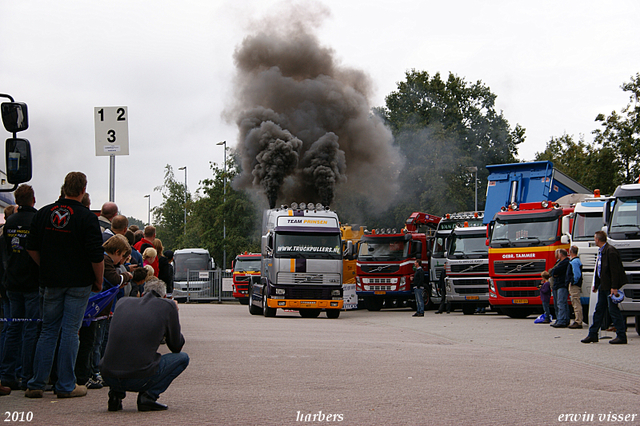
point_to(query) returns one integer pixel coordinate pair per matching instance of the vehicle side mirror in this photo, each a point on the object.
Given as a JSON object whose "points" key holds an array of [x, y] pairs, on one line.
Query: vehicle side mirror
{"points": [[18, 160], [418, 250], [349, 251], [564, 239], [14, 116], [486, 242]]}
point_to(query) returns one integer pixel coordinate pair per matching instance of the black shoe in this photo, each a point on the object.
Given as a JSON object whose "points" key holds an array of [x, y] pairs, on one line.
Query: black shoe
{"points": [[590, 339], [115, 401], [556, 325], [618, 341], [146, 403], [417, 315], [438, 312]]}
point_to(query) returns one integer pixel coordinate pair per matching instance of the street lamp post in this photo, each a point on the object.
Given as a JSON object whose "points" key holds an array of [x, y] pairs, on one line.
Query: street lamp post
{"points": [[148, 196], [185, 198], [474, 170], [224, 201]]}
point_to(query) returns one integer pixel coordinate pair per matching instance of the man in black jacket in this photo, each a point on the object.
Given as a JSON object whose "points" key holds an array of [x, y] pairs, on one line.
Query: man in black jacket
{"points": [[560, 289], [65, 241], [131, 360], [418, 289], [21, 280], [610, 276]]}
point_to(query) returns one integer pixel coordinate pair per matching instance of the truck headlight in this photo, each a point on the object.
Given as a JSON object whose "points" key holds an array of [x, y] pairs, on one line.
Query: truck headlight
{"points": [[280, 291], [335, 292]]}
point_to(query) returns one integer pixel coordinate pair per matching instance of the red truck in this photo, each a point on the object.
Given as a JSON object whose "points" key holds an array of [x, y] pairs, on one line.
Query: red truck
{"points": [[522, 242], [384, 269], [243, 268]]}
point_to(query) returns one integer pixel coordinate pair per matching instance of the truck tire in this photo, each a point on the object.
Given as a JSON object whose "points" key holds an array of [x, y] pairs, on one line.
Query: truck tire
{"points": [[517, 313], [266, 310], [468, 308], [309, 313], [243, 301], [333, 313], [373, 303], [253, 309]]}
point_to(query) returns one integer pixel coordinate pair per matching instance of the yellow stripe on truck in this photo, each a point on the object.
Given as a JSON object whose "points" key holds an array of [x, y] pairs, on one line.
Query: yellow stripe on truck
{"points": [[293, 265], [528, 249]]}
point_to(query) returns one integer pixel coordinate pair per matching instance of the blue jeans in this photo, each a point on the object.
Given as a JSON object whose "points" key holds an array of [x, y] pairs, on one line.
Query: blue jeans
{"points": [[560, 297], [6, 314], [20, 343], [547, 311], [419, 300], [171, 365], [63, 310], [616, 316]]}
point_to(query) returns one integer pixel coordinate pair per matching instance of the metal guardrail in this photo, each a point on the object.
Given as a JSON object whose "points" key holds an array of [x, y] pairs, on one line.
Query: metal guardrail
{"points": [[211, 285]]}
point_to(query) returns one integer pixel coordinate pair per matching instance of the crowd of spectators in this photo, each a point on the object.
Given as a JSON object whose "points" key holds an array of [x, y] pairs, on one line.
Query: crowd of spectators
{"points": [[60, 262]]}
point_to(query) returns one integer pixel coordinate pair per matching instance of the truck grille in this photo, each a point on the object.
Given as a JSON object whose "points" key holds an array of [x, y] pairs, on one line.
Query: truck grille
{"points": [[243, 278], [476, 282], [629, 254], [380, 269], [632, 293], [505, 291], [379, 287], [471, 290], [470, 268], [308, 278], [519, 267], [307, 293], [633, 279]]}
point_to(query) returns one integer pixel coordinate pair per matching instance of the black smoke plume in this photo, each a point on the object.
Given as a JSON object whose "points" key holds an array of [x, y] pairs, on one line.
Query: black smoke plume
{"points": [[305, 122]]}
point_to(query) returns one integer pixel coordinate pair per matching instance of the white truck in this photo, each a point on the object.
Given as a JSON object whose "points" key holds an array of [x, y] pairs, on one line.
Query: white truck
{"points": [[301, 262], [467, 267]]}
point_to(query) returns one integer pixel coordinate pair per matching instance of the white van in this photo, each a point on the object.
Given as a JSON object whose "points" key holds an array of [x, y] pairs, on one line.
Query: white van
{"points": [[187, 263]]}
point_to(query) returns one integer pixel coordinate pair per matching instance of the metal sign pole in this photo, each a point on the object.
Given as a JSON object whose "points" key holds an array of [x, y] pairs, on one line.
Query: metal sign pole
{"points": [[112, 178]]}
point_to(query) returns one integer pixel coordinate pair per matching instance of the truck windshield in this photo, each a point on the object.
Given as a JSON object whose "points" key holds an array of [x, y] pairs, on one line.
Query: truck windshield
{"points": [[468, 246], [184, 262], [383, 248], [524, 232], [247, 265], [625, 218], [308, 246], [585, 225]]}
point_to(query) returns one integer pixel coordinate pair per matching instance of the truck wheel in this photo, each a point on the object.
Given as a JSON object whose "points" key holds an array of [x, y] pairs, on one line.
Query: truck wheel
{"points": [[243, 301], [468, 308], [266, 310], [333, 313], [309, 313], [253, 309], [517, 313], [374, 303]]}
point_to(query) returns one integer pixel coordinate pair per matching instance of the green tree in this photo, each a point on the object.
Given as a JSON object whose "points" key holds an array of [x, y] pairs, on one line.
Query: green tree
{"points": [[135, 221], [621, 133], [213, 210], [443, 128], [169, 215]]}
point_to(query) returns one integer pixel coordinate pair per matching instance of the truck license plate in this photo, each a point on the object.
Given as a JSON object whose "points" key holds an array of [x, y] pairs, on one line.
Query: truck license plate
{"points": [[472, 298], [520, 301], [379, 292]]}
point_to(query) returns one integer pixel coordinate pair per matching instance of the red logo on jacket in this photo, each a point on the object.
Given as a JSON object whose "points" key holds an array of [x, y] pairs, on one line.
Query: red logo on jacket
{"points": [[60, 217]]}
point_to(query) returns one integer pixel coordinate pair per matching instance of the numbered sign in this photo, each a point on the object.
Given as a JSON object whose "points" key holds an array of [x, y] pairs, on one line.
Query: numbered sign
{"points": [[112, 130]]}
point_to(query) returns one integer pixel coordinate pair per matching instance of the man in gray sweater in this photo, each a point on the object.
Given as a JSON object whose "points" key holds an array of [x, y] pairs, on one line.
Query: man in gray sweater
{"points": [[131, 360]]}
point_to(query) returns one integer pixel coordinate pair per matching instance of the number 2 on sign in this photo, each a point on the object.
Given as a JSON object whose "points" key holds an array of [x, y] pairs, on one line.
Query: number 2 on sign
{"points": [[119, 111]]}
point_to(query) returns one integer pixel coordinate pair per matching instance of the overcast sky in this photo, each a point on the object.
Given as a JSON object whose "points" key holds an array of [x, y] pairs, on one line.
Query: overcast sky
{"points": [[553, 66]]}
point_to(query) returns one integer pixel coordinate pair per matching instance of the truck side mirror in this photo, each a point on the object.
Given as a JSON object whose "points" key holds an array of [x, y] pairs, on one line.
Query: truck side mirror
{"points": [[348, 253], [418, 250], [564, 239], [263, 245], [14, 116], [18, 160]]}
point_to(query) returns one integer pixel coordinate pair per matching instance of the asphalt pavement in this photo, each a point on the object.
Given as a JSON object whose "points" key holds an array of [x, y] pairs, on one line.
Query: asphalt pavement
{"points": [[373, 368]]}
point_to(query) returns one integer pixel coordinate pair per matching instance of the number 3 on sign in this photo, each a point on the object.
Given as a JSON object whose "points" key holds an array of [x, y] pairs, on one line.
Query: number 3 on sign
{"points": [[112, 131]]}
